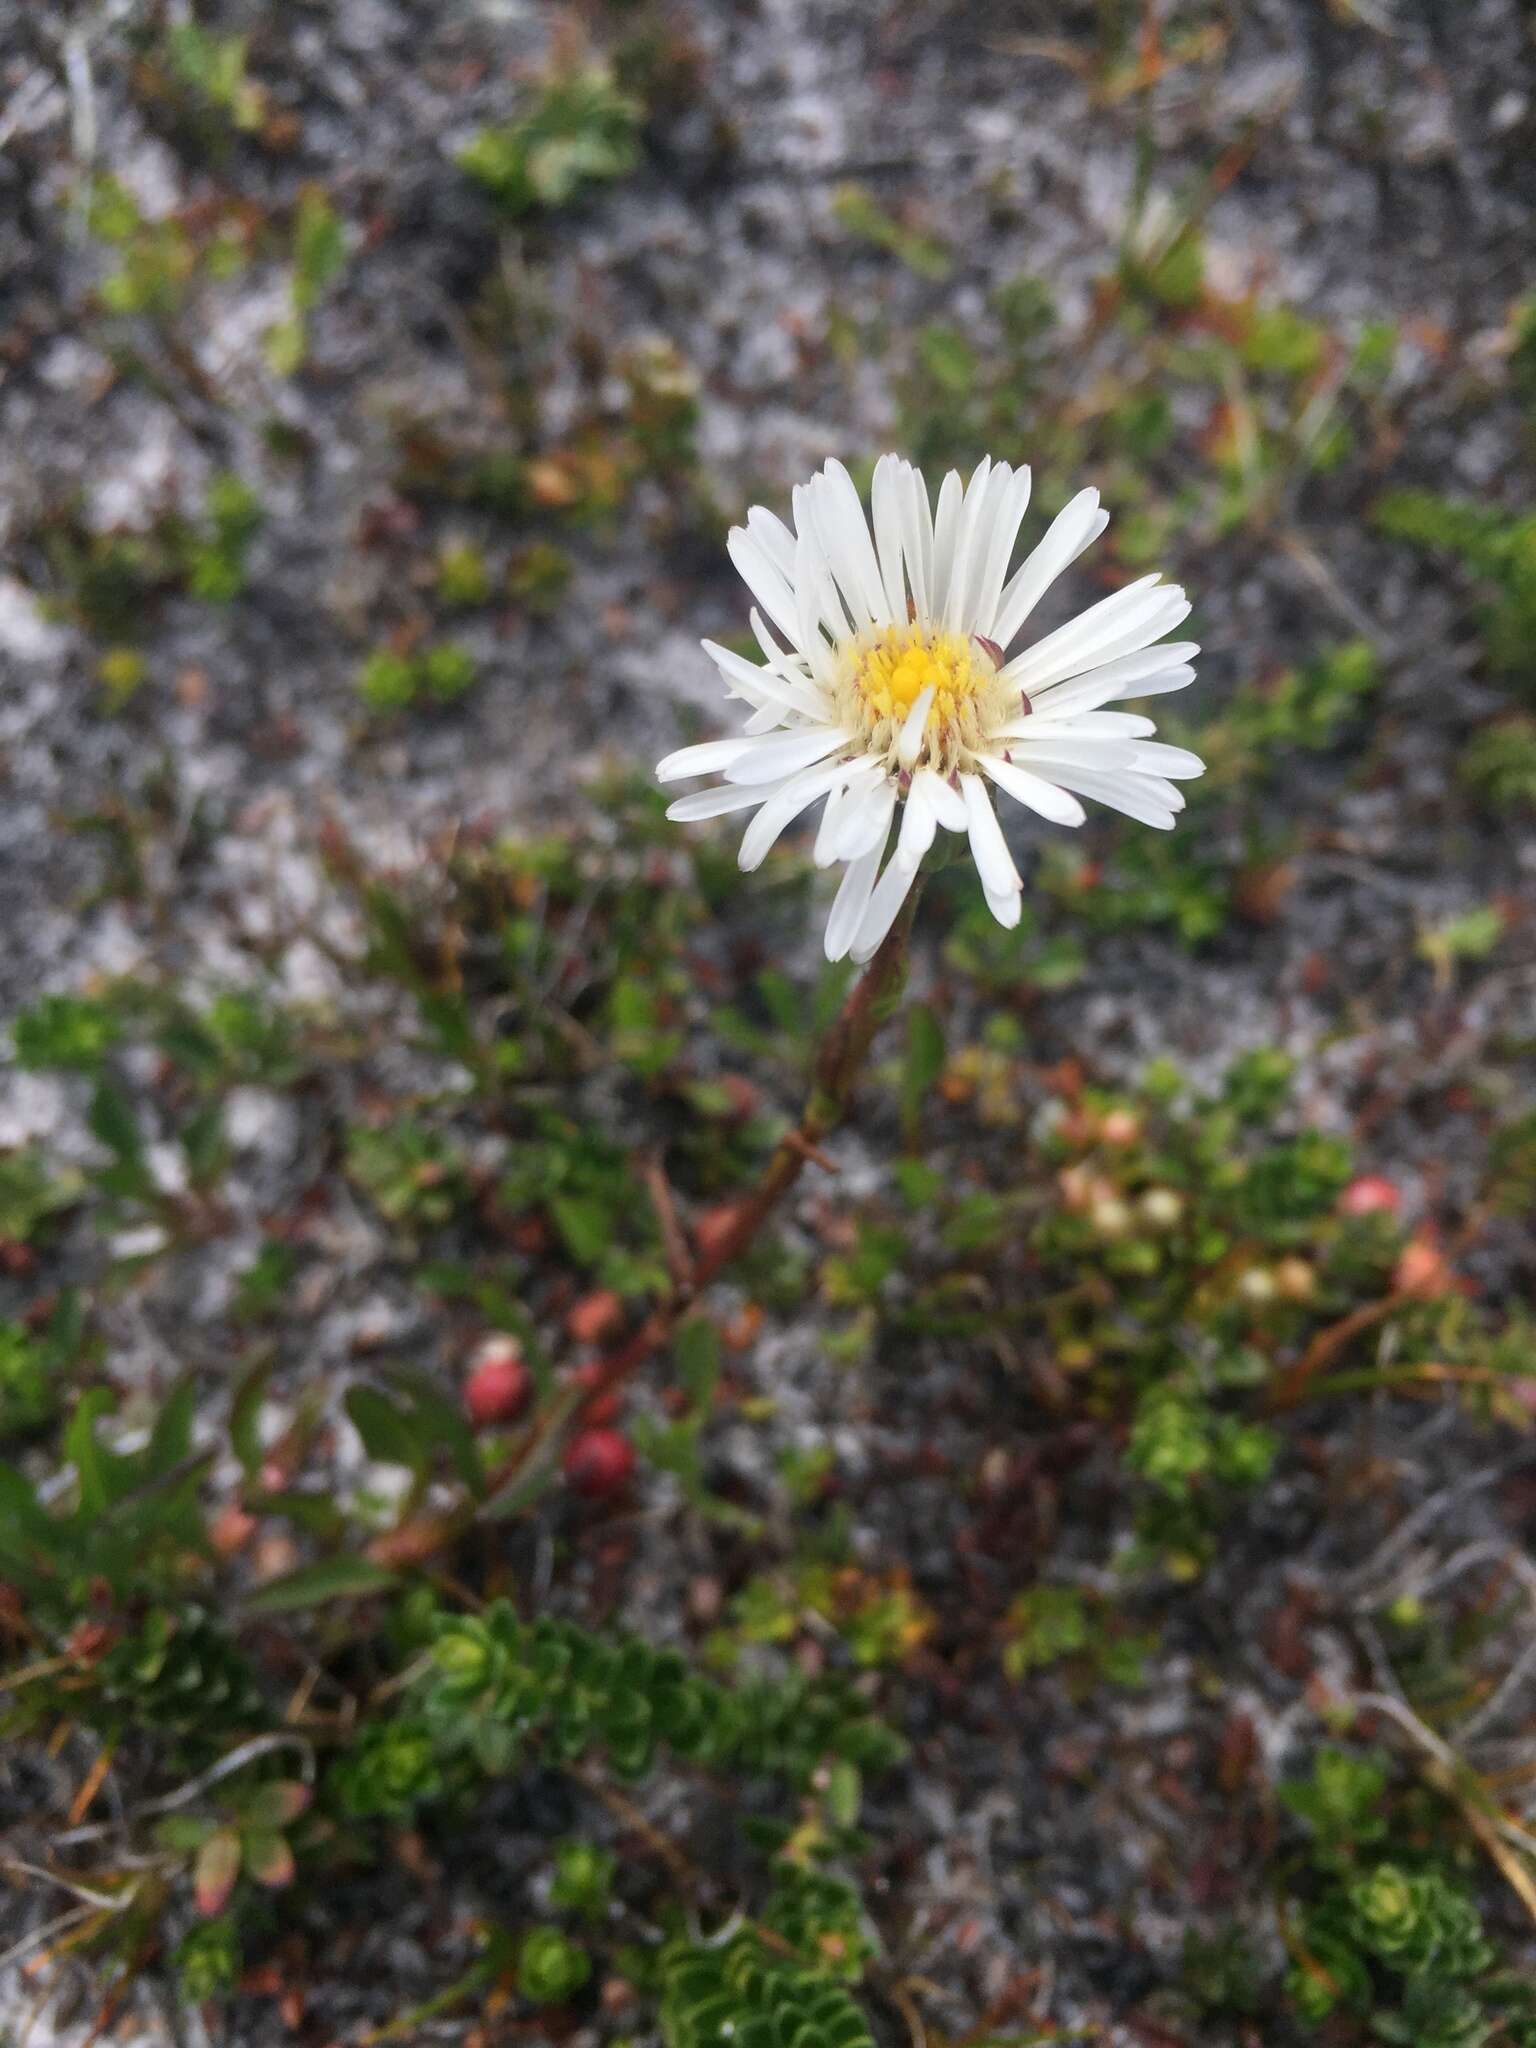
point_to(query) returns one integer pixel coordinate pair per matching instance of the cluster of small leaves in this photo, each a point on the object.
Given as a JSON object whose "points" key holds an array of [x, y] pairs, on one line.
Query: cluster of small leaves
{"points": [[208, 1959], [1391, 1935], [214, 553], [156, 259], [410, 1173], [877, 1614], [1193, 1247], [1499, 763], [129, 1523], [32, 1195], [580, 1180], [498, 1687], [821, 1917], [1051, 1625], [1498, 547], [390, 1768], [33, 1369], [741, 1994], [235, 1038], [550, 1966], [111, 582], [210, 70], [580, 132]]}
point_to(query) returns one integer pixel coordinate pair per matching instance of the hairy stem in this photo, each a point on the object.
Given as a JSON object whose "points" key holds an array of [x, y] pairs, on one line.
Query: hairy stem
{"points": [[839, 1061]]}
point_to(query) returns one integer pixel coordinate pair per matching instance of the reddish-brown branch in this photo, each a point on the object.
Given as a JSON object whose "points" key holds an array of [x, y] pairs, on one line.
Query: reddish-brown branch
{"points": [[1327, 1345]]}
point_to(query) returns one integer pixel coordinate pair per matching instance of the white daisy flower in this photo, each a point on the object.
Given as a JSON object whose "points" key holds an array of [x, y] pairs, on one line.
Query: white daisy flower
{"points": [[886, 687]]}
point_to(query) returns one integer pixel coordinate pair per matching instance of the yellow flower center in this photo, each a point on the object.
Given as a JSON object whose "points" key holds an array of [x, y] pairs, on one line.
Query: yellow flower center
{"points": [[890, 668]]}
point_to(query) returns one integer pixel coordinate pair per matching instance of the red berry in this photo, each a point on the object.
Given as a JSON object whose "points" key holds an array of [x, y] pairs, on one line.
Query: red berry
{"points": [[598, 1463], [497, 1387], [1364, 1197]]}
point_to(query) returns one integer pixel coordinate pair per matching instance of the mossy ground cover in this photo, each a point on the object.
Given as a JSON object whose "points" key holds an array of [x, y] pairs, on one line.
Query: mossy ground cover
{"points": [[1069, 1580]]}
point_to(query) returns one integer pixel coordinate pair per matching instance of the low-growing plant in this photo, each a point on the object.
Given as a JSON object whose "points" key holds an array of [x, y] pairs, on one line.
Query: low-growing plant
{"points": [[581, 131]]}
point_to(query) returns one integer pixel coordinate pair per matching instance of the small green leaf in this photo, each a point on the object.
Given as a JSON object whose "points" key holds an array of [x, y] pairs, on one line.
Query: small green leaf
{"points": [[332, 1578], [245, 1417], [386, 1431], [268, 1858], [696, 1353], [277, 1804]]}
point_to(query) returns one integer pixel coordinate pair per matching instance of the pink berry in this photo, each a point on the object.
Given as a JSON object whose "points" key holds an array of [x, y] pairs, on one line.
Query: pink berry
{"points": [[1370, 1194], [497, 1388]]}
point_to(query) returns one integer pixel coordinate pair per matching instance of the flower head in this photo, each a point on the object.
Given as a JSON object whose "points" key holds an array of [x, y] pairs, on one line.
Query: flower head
{"points": [[886, 686]]}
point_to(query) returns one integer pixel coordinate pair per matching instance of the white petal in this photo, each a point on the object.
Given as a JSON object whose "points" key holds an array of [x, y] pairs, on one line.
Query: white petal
{"points": [[1005, 908], [1177, 762], [970, 540], [1087, 693], [885, 499], [817, 603], [774, 538], [1101, 621], [1132, 675], [948, 804], [917, 539], [1157, 686], [989, 849], [772, 651], [786, 803], [909, 741], [854, 775], [715, 802], [840, 613], [946, 531], [1066, 750], [891, 891], [1076, 647], [918, 825], [866, 820], [1137, 795], [783, 753], [849, 904], [761, 685], [1146, 662], [1096, 725], [1034, 792], [985, 597], [766, 581], [843, 512], [826, 831], [1068, 534], [705, 759]]}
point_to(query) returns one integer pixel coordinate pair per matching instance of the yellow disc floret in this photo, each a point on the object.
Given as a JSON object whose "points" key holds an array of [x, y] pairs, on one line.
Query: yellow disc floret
{"points": [[888, 670]]}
